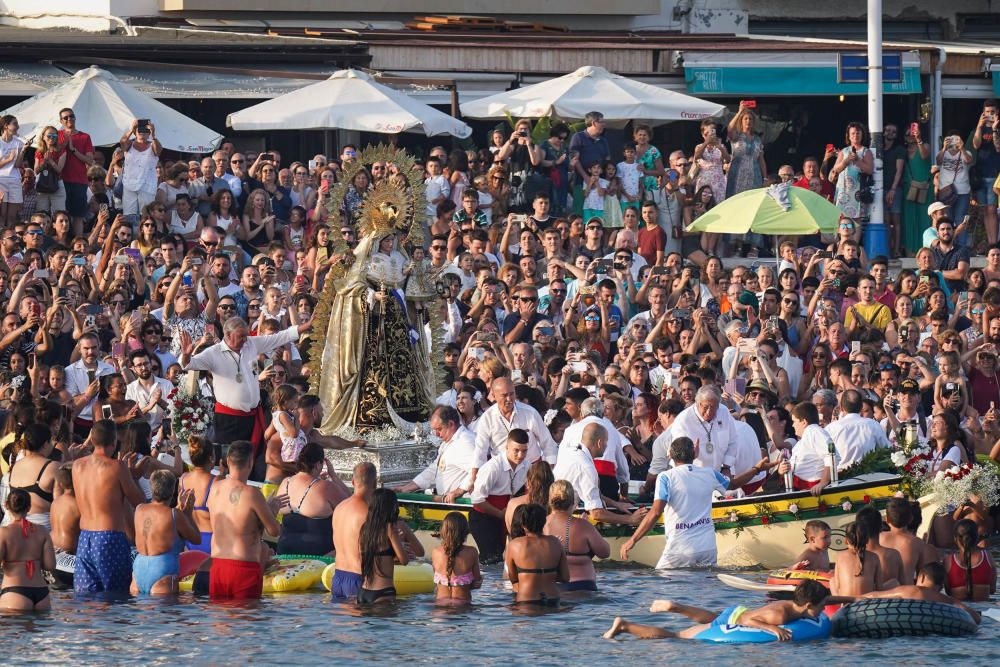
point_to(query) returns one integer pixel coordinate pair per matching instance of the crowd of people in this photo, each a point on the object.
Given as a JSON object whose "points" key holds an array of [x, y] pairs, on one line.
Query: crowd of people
{"points": [[595, 354]]}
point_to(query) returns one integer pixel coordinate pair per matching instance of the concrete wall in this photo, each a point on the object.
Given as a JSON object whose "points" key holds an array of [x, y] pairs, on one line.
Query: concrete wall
{"points": [[87, 15], [856, 10]]}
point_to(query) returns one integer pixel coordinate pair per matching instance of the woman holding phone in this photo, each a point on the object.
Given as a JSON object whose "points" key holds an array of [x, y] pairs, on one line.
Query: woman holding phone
{"points": [[853, 161], [916, 182]]}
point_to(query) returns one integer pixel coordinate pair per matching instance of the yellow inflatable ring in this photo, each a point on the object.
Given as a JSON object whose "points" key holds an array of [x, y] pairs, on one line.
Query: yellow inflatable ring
{"points": [[293, 575], [287, 576], [407, 579]]}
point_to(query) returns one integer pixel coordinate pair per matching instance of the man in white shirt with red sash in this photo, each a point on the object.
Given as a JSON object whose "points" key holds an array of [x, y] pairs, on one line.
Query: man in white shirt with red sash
{"points": [[498, 480], [232, 362]]}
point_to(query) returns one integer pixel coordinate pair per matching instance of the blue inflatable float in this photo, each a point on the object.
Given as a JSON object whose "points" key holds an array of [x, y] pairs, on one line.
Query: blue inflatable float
{"points": [[803, 630]]}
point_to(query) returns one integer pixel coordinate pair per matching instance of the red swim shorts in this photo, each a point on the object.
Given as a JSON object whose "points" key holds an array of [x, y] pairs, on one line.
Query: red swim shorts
{"points": [[235, 580]]}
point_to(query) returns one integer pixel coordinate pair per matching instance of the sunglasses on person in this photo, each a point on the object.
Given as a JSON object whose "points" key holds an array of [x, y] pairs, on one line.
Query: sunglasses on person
{"points": [[557, 291], [439, 246], [529, 299], [69, 116], [237, 161], [227, 306], [592, 318]]}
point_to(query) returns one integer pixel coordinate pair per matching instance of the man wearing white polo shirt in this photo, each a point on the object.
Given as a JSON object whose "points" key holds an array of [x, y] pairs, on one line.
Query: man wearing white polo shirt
{"points": [[684, 496], [808, 461]]}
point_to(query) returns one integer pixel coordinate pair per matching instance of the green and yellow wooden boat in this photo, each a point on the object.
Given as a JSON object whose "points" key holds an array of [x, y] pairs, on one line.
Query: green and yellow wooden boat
{"points": [[756, 531]]}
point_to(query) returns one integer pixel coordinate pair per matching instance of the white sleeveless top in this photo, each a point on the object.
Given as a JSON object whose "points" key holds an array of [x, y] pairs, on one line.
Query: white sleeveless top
{"points": [[179, 226], [139, 173]]}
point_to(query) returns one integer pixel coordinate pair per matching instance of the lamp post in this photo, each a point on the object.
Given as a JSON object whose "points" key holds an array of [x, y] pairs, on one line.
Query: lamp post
{"points": [[876, 237]]}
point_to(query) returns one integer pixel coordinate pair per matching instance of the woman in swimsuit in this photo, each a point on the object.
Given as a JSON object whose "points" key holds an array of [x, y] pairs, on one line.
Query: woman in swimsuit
{"points": [[381, 548], [25, 550], [535, 562], [307, 526], [34, 472], [456, 566], [199, 482], [536, 490], [579, 539], [159, 528], [971, 573]]}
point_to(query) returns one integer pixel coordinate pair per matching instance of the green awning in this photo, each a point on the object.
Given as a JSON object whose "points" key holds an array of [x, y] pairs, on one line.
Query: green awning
{"points": [[787, 73]]}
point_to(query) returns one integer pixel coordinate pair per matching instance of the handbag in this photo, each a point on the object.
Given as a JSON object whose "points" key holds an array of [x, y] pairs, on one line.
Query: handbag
{"points": [[918, 191], [47, 181], [947, 195]]}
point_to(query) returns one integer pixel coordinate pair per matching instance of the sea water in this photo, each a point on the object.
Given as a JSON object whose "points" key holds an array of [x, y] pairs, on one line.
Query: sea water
{"points": [[307, 629]]}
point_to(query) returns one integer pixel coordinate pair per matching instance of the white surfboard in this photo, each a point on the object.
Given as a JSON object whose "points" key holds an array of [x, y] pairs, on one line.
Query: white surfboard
{"points": [[750, 585]]}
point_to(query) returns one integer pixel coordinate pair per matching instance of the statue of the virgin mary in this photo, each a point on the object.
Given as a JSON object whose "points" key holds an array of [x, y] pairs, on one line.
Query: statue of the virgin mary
{"points": [[374, 371]]}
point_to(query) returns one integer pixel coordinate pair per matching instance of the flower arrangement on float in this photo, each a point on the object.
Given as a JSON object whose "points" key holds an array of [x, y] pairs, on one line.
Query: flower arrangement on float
{"points": [[965, 483], [191, 413]]}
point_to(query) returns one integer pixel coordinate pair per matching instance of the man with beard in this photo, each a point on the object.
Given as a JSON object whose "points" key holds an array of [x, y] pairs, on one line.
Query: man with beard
{"points": [[250, 284], [951, 260], [148, 391]]}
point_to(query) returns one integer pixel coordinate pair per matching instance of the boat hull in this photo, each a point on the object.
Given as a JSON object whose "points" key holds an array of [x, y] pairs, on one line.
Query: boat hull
{"points": [[757, 531]]}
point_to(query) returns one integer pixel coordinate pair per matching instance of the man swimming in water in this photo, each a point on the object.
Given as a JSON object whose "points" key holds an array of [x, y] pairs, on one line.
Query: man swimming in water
{"points": [[807, 602], [348, 518], [103, 484]]}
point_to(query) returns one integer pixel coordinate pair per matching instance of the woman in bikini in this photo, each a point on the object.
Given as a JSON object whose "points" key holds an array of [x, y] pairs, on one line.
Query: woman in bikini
{"points": [[971, 573], [381, 548], [25, 550], [535, 562], [456, 566], [307, 526], [35, 465], [199, 481], [580, 540]]}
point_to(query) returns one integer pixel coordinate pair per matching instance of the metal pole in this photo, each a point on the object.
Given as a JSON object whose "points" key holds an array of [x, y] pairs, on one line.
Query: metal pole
{"points": [[876, 234]]}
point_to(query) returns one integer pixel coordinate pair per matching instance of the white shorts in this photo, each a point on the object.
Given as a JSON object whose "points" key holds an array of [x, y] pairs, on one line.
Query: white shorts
{"points": [[673, 561], [133, 201], [13, 192]]}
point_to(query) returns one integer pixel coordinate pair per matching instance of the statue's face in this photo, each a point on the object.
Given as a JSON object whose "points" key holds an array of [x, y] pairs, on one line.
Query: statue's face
{"points": [[385, 245]]}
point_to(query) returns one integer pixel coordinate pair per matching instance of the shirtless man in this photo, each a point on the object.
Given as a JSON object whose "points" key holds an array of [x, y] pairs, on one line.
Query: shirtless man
{"points": [[890, 561], [238, 513], [910, 548], [103, 484], [348, 518], [310, 414], [65, 517], [930, 580]]}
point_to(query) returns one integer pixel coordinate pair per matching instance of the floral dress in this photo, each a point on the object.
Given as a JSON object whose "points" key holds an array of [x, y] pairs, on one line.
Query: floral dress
{"points": [[648, 161], [848, 187], [710, 173], [744, 170]]}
